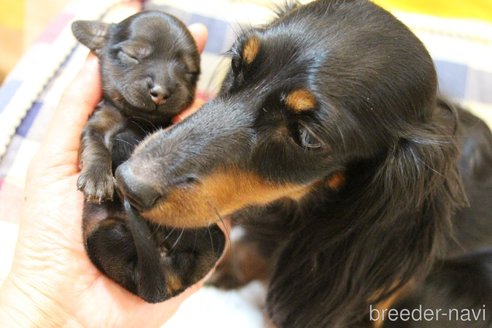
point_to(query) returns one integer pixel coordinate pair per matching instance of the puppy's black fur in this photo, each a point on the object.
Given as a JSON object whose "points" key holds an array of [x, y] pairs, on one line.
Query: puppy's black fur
{"points": [[149, 68], [328, 142]]}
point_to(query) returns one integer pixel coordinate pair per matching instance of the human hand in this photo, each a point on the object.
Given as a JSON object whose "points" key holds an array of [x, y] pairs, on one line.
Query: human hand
{"points": [[53, 282]]}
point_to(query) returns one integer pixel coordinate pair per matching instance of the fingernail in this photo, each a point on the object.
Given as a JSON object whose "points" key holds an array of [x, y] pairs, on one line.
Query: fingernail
{"points": [[91, 63], [92, 58], [198, 29]]}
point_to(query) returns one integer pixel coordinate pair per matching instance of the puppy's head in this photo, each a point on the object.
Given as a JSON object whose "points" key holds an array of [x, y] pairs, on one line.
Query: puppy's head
{"points": [[149, 62], [321, 87]]}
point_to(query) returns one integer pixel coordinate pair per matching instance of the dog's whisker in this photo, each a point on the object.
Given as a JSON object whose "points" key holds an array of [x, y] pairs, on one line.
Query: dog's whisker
{"points": [[155, 230], [177, 239], [211, 239], [125, 141], [152, 124], [169, 234], [226, 229], [140, 127]]}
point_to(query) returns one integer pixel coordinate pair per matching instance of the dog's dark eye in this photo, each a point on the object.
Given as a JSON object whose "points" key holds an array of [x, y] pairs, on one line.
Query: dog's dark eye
{"points": [[307, 139], [126, 58]]}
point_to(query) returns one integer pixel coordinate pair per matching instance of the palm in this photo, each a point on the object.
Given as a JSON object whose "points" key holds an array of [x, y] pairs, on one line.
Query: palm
{"points": [[92, 298], [50, 259]]}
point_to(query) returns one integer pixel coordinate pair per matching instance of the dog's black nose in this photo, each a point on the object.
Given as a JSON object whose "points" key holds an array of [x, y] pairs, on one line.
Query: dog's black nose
{"points": [[159, 94], [141, 195]]}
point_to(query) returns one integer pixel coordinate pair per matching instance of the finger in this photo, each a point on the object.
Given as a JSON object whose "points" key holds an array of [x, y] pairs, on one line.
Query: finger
{"points": [[75, 107], [197, 104], [200, 34]]}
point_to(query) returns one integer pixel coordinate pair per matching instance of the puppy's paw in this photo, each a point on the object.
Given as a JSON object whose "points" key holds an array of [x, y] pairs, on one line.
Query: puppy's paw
{"points": [[97, 184], [154, 263]]}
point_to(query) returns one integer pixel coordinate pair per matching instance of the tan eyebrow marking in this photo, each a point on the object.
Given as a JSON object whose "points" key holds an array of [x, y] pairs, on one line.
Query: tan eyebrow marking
{"points": [[251, 49], [336, 181], [300, 100]]}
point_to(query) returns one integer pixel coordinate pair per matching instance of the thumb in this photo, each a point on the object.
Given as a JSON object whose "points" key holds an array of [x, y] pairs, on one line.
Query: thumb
{"points": [[74, 109]]}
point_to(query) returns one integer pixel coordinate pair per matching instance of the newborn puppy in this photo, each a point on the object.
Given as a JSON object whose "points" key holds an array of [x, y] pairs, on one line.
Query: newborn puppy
{"points": [[149, 68]]}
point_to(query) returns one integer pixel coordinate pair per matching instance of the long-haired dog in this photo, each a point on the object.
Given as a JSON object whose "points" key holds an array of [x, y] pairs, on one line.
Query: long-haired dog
{"points": [[329, 144]]}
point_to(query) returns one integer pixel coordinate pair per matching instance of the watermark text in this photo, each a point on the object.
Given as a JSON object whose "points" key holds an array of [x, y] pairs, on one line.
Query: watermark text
{"points": [[425, 314]]}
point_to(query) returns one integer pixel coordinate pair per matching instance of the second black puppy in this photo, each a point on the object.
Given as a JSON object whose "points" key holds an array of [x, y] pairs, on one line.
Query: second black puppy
{"points": [[149, 67]]}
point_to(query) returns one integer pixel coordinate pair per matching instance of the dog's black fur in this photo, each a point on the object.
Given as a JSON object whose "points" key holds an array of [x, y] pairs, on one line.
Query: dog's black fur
{"points": [[455, 287], [328, 143], [149, 68]]}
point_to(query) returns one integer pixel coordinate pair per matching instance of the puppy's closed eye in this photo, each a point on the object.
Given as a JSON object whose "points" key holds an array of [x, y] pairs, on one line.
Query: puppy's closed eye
{"points": [[132, 52]]}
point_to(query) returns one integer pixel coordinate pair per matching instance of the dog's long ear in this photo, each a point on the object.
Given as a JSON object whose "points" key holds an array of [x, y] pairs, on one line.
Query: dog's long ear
{"points": [[92, 34], [382, 231]]}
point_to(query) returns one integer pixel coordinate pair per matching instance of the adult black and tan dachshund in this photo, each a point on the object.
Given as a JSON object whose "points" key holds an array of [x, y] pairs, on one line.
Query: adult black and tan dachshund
{"points": [[329, 144]]}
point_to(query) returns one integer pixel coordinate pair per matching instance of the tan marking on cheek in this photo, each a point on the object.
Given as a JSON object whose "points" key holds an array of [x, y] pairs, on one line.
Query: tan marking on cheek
{"points": [[219, 195], [336, 181], [251, 49], [300, 100]]}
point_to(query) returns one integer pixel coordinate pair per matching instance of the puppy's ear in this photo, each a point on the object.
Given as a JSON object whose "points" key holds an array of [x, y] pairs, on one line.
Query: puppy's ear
{"points": [[382, 232], [92, 34]]}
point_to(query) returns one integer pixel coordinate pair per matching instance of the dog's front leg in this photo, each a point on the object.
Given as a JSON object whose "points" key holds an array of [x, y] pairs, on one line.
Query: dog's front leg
{"points": [[96, 177]]}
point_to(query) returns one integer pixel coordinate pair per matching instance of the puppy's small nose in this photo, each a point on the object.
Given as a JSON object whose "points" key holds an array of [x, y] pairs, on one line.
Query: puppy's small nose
{"points": [[159, 94], [140, 194]]}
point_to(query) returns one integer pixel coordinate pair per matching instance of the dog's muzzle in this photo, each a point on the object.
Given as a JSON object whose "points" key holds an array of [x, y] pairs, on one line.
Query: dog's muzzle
{"points": [[141, 195]]}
